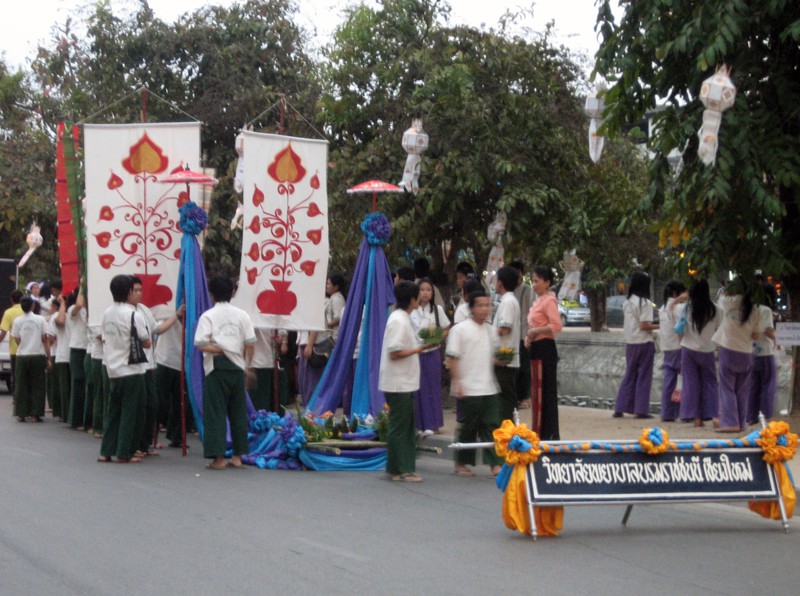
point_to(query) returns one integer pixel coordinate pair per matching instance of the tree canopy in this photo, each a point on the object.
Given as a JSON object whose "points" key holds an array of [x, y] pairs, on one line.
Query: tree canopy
{"points": [[742, 213]]}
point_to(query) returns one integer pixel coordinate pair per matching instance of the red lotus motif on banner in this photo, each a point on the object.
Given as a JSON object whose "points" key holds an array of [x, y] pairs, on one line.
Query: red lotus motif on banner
{"points": [[281, 253], [151, 233]]}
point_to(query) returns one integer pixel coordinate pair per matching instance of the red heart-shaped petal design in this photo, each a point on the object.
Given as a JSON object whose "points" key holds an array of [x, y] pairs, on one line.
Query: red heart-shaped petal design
{"points": [[252, 274], [106, 261], [313, 210], [114, 181], [314, 182], [253, 252], [308, 267], [315, 236], [103, 238], [258, 197], [106, 213], [255, 225]]}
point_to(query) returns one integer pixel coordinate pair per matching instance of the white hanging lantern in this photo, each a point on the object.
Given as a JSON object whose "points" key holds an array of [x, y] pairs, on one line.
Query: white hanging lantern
{"points": [[593, 108], [718, 93], [415, 142], [34, 240]]}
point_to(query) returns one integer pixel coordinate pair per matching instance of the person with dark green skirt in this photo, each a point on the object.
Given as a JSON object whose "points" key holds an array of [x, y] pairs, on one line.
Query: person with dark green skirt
{"points": [[33, 359], [399, 379], [78, 340], [226, 337], [61, 367], [124, 417], [471, 348], [262, 388]]}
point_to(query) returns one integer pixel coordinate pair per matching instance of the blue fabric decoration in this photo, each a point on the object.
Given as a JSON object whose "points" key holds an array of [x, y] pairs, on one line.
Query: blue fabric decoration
{"points": [[371, 293], [193, 291], [193, 218], [322, 462], [517, 443], [504, 476]]}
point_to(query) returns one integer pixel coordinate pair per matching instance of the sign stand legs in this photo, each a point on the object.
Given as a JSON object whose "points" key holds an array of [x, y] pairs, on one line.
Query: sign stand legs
{"points": [[625, 517]]}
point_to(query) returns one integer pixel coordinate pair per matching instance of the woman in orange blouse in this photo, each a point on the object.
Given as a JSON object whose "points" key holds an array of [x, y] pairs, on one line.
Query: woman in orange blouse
{"points": [[544, 323]]}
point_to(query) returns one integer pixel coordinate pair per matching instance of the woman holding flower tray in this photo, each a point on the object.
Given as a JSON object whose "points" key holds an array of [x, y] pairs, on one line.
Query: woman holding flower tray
{"points": [[431, 324]]}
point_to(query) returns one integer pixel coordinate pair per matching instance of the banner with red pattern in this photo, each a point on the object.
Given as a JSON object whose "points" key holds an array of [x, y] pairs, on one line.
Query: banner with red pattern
{"points": [[285, 236], [132, 218]]}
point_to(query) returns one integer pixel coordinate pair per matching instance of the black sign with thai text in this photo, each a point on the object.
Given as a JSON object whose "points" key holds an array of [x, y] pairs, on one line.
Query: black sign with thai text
{"points": [[714, 475]]}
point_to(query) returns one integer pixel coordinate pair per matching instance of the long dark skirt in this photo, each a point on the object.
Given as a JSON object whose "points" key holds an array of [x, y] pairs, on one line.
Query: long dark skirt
{"points": [[545, 350]]}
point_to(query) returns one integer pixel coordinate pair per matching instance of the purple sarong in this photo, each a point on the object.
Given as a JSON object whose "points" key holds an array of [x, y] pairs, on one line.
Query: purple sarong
{"points": [[428, 400], [734, 387], [307, 376], [672, 368], [763, 387], [700, 393], [634, 391]]}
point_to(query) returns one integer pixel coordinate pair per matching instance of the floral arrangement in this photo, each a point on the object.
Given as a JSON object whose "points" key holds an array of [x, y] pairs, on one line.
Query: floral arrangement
{"points": [[382, 424], [504, 354], [431, 335]]}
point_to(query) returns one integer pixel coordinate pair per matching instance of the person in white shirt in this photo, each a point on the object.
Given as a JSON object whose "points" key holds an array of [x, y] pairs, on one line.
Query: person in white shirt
{"points": [[124, 416], [62, 374], [462, 311], [471, 348], [506, 320], [33, 359], [398, 379], [78, 342], [764, 383], [428, 412], [700, 391], [670, 344], [741, 324], [264, 356], [226, 336], [168, 381], [525, 297], [633, 396]]}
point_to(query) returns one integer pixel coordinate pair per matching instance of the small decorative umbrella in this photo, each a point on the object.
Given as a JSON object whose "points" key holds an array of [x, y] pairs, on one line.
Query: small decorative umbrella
{"points": [[374, 186], [183, 175]]}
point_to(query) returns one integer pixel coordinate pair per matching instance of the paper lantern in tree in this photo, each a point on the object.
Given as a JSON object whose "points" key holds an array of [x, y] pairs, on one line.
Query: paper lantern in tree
{"points": [[594, 109], [718, 93], [34, 241], [415, 142]]}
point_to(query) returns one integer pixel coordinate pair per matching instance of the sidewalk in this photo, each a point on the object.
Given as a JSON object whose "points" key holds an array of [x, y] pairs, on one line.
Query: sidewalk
{"points": [[594, 424]]}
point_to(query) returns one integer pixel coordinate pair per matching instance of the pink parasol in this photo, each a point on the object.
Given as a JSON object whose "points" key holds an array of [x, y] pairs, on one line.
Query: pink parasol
{"points": [[374, 186], [183, 175]]}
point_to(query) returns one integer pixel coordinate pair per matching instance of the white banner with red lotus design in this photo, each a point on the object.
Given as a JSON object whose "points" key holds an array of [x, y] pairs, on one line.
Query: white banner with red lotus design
{"points": [[285, 235], [131, 218]]}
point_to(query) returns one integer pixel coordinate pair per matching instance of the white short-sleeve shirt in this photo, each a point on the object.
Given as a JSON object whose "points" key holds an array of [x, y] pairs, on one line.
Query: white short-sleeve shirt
{"points": [[764, 346], [732, 333], [228, 327], [116, 329], [637, 310], [474, 347], [698, 342], [29, 330], [668, 340], [507, 315], [462, 312], [78, 339], [401, 375]]}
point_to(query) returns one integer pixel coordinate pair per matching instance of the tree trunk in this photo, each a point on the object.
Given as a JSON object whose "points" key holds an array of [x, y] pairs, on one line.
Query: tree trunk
{"points": [[597, 308]]}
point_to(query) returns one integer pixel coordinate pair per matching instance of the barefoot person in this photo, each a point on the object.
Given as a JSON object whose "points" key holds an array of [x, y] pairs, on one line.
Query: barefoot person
{"points": [[226, 337], [399, 379], [470, 353]]}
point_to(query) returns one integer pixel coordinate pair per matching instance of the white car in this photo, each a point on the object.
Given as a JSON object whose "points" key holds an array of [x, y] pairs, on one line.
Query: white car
{"points": [[573, 313]]}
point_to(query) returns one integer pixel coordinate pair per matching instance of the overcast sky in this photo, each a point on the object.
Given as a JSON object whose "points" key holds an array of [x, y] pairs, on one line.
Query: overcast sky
{"points": [[21, 29]]}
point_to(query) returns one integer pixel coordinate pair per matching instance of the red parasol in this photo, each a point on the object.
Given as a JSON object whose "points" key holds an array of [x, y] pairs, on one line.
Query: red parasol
{"points": [[374, 186]]}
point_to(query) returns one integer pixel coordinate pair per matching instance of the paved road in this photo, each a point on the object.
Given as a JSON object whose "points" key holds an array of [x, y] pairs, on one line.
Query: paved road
{"points": [[69, 525]]}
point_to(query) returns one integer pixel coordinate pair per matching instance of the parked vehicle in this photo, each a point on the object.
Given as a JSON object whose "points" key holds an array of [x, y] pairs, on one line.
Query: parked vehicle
{"points": [[573, 313], [8, 281], [614, 315]]}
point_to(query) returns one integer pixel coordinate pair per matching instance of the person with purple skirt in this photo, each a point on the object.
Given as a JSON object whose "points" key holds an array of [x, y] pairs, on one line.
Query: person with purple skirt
{"points": [[740, 326], [634, 391], [700, 394], [670, 344], [764, 383]]}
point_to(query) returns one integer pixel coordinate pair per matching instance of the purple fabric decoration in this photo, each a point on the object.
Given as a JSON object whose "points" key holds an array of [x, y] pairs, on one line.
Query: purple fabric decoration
{"points": [[372, 286]]}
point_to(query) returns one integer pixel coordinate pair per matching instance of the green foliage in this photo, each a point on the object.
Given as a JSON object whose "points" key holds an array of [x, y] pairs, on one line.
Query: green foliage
{"points": [[742, 213]]}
